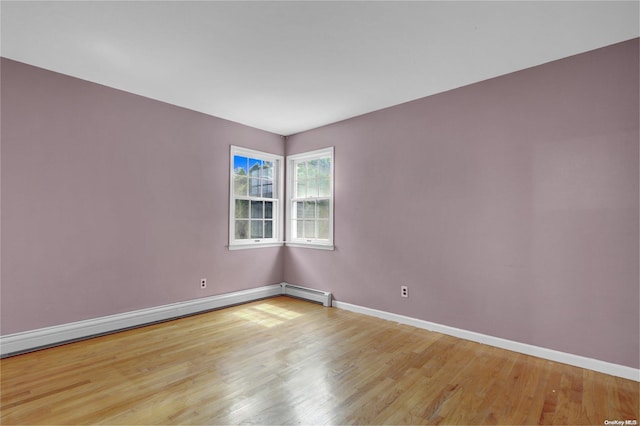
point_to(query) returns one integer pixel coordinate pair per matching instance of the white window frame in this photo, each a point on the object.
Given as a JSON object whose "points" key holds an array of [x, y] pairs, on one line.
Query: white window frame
{"points": [[292, 239], [277, 210]]}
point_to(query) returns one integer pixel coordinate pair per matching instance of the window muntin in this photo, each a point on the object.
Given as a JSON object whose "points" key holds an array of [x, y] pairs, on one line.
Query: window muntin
{"points": [[310, 201], [256, 196]]}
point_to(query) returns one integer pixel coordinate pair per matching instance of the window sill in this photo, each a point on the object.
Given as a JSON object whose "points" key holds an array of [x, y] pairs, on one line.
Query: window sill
{"points": [[312, 246], [253, 246]]}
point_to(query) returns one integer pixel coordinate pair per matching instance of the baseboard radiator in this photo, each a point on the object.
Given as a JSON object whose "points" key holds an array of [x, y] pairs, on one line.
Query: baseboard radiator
{"points": [[305, 293], [29, 340]]}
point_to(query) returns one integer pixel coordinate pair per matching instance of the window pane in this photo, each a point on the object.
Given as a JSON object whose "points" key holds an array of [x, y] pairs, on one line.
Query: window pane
{"points": [[255, 167], [256, 229], [268, 229], [309, 209], [312, 169], [268, 210], [239, 186], [323, 209], [240, 165], [267, 169], [299, 210], [301, 189], [299, 228], [242, 209], [309, 229], [323, 229], [267, 188], [301, 171], [242, 229], [324, 187], [324, 167], [312, 188], [257, 209], [254, 188]]}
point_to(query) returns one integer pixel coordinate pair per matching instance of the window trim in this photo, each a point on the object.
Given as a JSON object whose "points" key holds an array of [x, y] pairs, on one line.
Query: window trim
{"points": [[291, 176], [278, 200]]}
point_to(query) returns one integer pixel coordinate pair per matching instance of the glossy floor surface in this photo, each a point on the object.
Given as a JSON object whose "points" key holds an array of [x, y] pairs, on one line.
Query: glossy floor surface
{"points": [[285, 361]]}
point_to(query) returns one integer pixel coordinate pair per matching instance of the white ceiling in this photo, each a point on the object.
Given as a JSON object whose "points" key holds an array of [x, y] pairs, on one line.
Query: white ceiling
{"points": [[291, 66]]}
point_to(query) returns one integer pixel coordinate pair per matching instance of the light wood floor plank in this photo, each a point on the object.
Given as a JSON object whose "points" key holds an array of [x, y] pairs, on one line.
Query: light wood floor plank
{"points": [[285, 361]]}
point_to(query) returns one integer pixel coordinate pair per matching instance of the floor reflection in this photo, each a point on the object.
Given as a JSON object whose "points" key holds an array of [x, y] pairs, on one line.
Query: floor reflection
{"points": [[267, 314]]}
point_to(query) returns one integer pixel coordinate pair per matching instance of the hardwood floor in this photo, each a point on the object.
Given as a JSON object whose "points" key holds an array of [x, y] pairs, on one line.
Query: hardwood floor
{"points": [[285, 361]]}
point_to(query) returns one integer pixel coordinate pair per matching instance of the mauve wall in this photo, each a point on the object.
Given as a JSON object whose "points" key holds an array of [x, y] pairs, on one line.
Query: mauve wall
{"points": [[509, 207], [112, 202]]}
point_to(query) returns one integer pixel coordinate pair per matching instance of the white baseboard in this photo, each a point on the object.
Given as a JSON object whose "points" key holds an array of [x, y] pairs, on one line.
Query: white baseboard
{"points": [[550, 354], [50, 336]]}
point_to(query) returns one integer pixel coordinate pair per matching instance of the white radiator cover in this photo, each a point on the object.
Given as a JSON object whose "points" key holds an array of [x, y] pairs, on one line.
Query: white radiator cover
{"points": [[310, 294]]}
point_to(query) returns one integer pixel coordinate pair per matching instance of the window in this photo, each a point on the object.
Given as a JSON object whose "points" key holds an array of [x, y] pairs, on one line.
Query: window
{"points": [[256, 198], [310, 199]]}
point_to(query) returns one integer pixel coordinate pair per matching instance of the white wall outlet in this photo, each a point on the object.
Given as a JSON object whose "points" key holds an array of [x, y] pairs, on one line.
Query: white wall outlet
{"points": [[404, 291], [203, 283]]}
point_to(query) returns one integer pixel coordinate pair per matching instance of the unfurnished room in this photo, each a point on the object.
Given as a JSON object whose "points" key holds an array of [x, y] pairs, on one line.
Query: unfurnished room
{"points": [[319, 212]]}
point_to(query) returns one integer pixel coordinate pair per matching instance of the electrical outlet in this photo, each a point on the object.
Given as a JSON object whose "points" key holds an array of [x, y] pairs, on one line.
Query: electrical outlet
{"points": [[203, 283], [404, 291]]}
